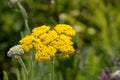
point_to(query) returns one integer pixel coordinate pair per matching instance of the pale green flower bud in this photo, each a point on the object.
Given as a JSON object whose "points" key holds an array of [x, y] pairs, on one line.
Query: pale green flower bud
{"points": [[15, 51]]}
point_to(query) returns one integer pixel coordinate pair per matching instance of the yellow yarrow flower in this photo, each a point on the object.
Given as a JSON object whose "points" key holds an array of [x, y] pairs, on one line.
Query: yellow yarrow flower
{"points": [[42, 36], [45, 53], [40, 30], [27, 42], [65, 29], [66, 39], [51, 35], [66, 48], [61, 40], [48, 42], [40, 56], [39, 45], [64, 55], [51, 51]]}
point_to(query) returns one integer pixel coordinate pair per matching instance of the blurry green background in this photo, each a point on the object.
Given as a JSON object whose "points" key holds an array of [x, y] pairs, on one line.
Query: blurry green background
{"points": [[97, 42]]}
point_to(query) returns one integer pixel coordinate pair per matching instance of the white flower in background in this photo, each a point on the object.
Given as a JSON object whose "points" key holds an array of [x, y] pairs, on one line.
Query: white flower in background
{"points": [[91, 31], [52, 1], [15, 51], [63, 16], [75, 13], [116, 75], [79, 28]]}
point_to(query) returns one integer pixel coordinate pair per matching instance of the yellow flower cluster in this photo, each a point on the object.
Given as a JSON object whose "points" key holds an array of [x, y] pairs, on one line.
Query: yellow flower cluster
{"points": [[65, 29], [48, 42], [27, 42]]}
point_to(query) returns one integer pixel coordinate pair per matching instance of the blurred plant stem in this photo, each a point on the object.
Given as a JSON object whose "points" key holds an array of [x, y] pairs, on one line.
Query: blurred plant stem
{"points": [[106, 40], [32, 65], [52, 69], [5, 76], [114, 32], [76, 65], [18, 74], [23, 11], [24, 67]]}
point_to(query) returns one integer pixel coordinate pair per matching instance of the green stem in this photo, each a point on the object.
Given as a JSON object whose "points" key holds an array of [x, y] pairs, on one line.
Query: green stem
{"points": [[5, 76], [23, 11], [24, 67], [31, 68], [52, 69]]}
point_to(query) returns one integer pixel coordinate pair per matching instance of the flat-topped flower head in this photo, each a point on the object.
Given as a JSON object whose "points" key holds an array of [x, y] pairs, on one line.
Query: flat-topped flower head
{"points": [[15, 51], [48, 42]]}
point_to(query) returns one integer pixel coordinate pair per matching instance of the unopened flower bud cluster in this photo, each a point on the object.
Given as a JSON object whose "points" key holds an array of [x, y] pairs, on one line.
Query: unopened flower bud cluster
{"points": [[15, 51]]}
